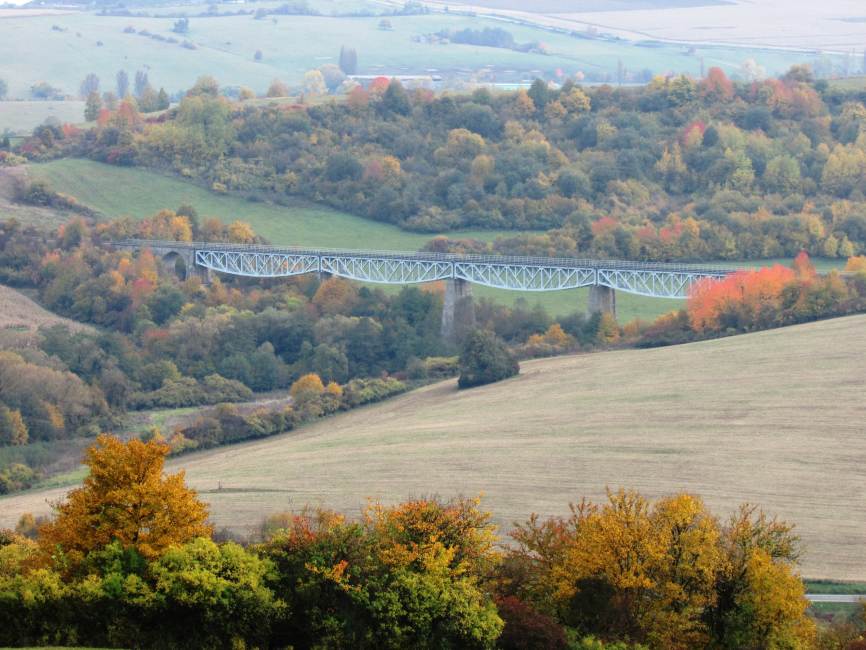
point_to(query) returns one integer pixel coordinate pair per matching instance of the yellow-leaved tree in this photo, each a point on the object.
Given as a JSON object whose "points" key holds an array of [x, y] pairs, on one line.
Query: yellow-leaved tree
{"points": [[666, 574], [127, 498]]}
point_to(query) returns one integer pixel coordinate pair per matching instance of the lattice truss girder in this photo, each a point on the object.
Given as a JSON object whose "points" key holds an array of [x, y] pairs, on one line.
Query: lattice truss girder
{"points": [[386, 270], [656, 284], [524, 277], [257, 265]]}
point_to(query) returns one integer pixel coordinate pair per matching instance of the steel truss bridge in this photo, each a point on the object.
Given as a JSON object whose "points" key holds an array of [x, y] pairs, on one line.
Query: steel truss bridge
{"points": [[389, 267]]}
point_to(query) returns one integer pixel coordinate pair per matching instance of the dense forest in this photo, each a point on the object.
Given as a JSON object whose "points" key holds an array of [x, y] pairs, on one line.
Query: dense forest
{"points": [[678, 169]]}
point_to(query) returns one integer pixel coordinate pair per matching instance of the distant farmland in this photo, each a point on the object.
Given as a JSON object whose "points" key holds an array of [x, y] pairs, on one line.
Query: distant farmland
{"points": [[225, 46], [773, 418]]}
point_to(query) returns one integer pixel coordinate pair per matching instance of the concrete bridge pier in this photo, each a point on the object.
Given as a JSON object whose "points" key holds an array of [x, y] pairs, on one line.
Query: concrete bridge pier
{"points": [[602, 300], [458, 311]]}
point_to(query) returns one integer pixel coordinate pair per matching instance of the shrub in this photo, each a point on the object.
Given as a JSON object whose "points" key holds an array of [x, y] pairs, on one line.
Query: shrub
{"points": [[525, 628], [367, 391], [485, 359], [186, 391]]}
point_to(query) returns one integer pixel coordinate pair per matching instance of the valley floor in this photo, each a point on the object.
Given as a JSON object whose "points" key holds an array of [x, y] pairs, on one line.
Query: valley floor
{"points": [[773, 418]]}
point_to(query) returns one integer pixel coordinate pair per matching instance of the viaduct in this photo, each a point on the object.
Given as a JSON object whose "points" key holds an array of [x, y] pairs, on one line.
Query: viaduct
{"points": [[603, 277]]}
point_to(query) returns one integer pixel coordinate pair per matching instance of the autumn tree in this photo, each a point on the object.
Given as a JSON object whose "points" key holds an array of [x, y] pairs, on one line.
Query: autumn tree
{"points": [[740, 300], [406, 576], [125, 498], [166, 224], [307, 388], [760, 600], [666, 574], [92, 106], [240, 232], [314, 83], [335, 296], [278, 89], [716, 87], [205, 85], [856, 264], [13, 430]]}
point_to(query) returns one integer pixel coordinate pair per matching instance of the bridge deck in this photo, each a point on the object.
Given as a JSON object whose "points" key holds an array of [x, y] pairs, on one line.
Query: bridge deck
{"points": [[421, 256]]}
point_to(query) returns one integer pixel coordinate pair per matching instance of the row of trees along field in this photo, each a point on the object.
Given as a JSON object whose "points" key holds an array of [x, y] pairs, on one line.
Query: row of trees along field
{"points": [[129, 560], [678, 169]]}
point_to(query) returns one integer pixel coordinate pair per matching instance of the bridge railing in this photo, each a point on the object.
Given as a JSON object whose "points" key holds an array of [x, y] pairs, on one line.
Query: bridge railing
{"points": [[564, 262]]}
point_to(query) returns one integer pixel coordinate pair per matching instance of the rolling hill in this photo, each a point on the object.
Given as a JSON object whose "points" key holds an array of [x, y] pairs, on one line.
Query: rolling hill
{"points": [[774, 418]]}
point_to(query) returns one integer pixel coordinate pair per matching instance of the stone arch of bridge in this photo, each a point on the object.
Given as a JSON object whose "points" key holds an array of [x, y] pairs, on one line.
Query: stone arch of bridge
{"points": [[175, 264]]}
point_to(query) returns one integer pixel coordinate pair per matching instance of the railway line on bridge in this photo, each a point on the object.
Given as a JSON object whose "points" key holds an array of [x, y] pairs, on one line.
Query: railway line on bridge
{"points": [[533, 274]]}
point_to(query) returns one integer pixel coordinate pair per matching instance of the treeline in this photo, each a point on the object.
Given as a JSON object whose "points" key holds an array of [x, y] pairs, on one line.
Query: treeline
{"points": [[128, 560], [488, 37], [775, 296], [678, 169], [310, 399]]}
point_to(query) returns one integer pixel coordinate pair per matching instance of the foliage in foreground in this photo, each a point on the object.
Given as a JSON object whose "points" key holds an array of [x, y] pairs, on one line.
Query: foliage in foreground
{"points": [[128, 561]]}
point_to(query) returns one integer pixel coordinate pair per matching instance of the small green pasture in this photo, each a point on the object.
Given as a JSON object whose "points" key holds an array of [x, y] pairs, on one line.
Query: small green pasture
{"points": [[128, 191]]}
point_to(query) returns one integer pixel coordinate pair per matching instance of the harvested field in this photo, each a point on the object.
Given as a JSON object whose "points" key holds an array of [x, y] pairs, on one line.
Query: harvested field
{"points": [[773, 418], [18, 312]]}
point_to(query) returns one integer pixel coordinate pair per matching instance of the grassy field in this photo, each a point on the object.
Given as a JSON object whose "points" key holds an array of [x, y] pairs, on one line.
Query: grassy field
{"points": [[224, 46], [773, 418], [119, 191]]}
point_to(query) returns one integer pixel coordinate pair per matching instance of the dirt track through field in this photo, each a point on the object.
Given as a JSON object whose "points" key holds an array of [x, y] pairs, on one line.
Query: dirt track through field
{"points": [[774, 418]]}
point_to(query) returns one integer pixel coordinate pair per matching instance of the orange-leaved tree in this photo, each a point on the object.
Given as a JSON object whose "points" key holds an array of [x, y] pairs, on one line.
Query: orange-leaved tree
{"points": [[739, 301], [856, 264], [126, 498], [307, 388]]}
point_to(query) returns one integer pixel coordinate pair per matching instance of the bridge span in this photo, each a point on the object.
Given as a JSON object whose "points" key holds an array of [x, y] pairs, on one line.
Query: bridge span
{"points": [[604, 277]]}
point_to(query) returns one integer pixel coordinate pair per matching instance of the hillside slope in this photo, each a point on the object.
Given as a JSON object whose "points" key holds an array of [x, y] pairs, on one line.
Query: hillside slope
{"points": [[774, 418], [18, 312]]}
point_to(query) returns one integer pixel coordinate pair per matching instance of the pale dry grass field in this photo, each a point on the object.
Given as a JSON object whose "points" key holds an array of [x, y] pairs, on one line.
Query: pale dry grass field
{"points": [[774, 418], [18, 312]]}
